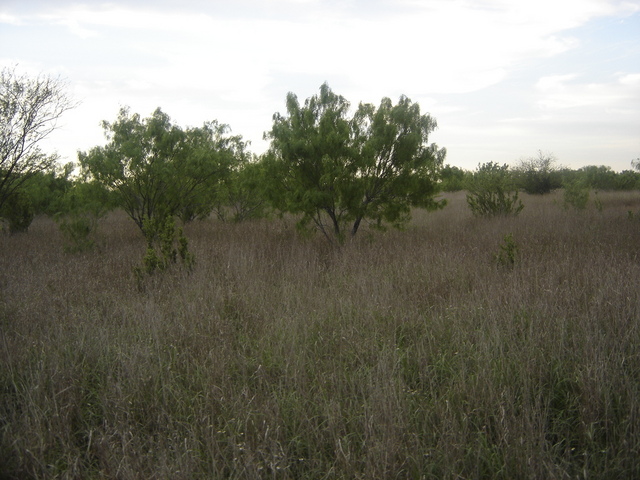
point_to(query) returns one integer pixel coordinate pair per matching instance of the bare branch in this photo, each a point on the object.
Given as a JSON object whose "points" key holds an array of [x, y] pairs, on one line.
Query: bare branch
{"points": [[29, 111]]}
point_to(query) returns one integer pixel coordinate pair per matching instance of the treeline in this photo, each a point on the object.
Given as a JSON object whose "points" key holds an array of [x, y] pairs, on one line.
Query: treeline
{"points": [[234, 185], [333, 167], [540, 175]]}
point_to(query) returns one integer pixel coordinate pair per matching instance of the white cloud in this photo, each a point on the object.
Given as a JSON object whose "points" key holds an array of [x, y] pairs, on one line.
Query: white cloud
{"points": [[235, 61], [559, 92]]}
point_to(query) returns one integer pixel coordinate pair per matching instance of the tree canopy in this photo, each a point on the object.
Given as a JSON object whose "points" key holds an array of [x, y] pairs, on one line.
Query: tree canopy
{"points": [[29, 111], [338, 169], [158, 169]]}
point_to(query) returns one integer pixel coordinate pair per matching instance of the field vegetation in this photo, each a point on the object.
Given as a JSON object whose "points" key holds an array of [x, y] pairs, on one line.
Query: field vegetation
{"points": [[462, 347]]}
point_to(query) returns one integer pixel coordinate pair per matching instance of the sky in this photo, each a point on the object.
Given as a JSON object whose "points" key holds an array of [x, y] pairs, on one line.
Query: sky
{"points": [[504, 79]]}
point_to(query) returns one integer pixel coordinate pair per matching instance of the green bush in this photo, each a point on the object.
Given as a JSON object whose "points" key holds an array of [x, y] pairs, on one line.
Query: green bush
{"points": [[78, 230], [538, 175], [508, 253], [576, 195], [17, 212], [491, 191], [161, 235], [452, 179]]}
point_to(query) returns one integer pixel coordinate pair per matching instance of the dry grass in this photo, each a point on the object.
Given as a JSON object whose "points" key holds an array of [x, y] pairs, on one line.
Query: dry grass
{"points": [[402, 355]]}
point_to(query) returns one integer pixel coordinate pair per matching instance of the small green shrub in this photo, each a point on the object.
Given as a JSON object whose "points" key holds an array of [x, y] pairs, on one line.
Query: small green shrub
{"points": [[508, 253], [161, 235], [79, 231], [492, 191], [576, 195], [598, 203]]}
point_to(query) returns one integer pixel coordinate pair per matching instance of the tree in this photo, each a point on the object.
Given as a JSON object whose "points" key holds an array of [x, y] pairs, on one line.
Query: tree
{"points": [[159, 170], [338, 170], [242, 195], [29, 111], [538, 175], [452, 179], [598, 177], [492, 191]]}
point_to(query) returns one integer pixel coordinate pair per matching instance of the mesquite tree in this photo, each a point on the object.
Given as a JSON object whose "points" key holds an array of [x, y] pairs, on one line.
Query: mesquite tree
{"points": [[338, 170], [29, 111], [157, 169]]}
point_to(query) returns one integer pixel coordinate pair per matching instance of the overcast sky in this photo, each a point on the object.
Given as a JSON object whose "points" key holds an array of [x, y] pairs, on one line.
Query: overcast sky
{"points": [[503, 78]]}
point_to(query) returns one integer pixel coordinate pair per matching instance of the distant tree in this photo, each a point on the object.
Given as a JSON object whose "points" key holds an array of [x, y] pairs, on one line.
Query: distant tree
{"points": [[492, 191], [538, 175], [214, 159], [29, 111], [47, 189], [598, 177], [159, 170], [453, 179], [338, 170], [628, 180], [242, 195], [635, 163]]}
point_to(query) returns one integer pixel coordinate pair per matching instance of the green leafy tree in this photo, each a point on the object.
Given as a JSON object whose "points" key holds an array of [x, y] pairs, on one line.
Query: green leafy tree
{"points": [[492, 191], [628, 180], [80, 210], [29, 111], [157, 169], [453, 179], [598, 177], [47, 189], [338, 170], [243, 194], [538, 175], [214, 157], [17, 212]]}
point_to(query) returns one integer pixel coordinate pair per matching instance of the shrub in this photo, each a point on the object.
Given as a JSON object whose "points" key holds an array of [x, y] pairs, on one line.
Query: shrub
{"points": [[452, 179], [18, 212], [538, 175], [507, 255], [576, 195], [492, 191], [161, 253], [78, 230]]}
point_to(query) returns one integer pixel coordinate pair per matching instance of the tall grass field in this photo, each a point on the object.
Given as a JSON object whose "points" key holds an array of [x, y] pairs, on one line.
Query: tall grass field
{"points": [[459, 348]]}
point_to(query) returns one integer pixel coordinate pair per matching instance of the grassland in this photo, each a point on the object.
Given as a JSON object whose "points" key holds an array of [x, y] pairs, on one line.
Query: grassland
{"points": [[411, 354]]}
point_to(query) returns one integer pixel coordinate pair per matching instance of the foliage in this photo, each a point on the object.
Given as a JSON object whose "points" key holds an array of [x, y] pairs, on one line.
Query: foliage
{"points": [[157, 169], [576, 195], [29, 112], [18, 212], [598, 177], [602, 178], [538, 175], [491, 191], [338, 170], [453, 179], [218, 156], [242, 195], [165, 244], [78, 230], [508, 253], [79, 214], [47, 189]]}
